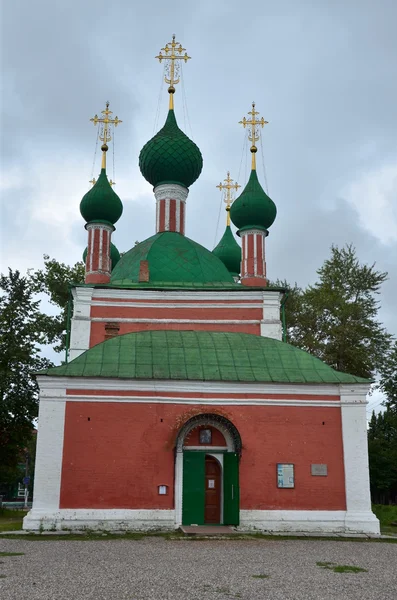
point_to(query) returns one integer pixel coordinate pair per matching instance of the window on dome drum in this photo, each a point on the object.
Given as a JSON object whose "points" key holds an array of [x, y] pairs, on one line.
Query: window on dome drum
{"points": [[205, 436]]}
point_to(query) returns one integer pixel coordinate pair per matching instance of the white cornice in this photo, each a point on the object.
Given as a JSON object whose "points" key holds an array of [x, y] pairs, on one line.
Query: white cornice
{"points": [[168, 295], [211, 387]]}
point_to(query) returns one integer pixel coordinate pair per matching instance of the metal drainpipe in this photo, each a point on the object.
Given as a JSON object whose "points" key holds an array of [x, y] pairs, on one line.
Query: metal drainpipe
{"points": [[68, 315], [284, 300]]}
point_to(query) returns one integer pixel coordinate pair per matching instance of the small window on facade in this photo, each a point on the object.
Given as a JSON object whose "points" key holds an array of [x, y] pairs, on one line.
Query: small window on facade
{"points": [[205, 436]]}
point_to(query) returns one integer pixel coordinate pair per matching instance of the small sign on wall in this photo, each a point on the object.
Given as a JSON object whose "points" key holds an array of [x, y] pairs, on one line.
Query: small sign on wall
{"points": [[320, 470], [285, 475]]}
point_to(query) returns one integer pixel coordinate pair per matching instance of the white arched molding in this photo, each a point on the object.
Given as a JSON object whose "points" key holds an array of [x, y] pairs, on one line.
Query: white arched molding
{"points": [[187, 428]]}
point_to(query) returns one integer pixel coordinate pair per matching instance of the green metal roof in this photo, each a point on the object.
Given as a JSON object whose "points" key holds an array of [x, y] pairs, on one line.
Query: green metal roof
{"points": [[101, 203], [253, 208], [170, 156], [200, 356], [173, 260], [229, 252]]}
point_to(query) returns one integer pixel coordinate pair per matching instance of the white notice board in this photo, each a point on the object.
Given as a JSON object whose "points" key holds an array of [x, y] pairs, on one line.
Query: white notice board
{"points": [[285, 475]]}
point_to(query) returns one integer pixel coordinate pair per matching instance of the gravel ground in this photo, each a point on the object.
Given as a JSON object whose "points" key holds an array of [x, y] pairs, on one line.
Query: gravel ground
{"points": [[159, 569]]}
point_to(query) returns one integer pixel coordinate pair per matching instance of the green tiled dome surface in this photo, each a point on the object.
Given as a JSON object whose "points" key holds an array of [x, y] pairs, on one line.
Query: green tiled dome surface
{"points": [[253, 208], [201, 356], [229, 252], [173, 259], [170, 156], [114, 255], [101, 203]]}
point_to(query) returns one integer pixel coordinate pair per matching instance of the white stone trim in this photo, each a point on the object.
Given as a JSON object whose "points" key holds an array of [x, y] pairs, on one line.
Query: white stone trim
{"points": [[80, 329], [167, 215], [200, 401], [355, 449], [135, 294], [175, 305], [321, 521], [51, 424], [172, 191], [206, 321], [100, 519], [157, 385]]}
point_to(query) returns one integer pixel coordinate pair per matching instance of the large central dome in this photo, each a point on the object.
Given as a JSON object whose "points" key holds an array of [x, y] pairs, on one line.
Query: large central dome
{"points": [[173, 260]]}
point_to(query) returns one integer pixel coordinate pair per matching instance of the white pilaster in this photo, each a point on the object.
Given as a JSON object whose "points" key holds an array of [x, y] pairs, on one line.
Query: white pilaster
{"points": [[47, 480], [355, 452], [81, 324]]}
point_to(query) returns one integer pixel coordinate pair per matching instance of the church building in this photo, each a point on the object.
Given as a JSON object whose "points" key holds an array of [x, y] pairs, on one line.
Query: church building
{"points": [[180, 402]]}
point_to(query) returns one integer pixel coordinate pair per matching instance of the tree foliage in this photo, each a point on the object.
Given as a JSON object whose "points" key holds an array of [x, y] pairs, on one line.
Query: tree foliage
{"points": [[22, 329], [382, 449], [388, 377], [55, 281], [336, 318]]}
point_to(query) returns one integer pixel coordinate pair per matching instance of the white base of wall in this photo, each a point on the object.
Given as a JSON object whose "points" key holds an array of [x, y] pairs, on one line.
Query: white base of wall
{"points": [[112, 519], [321, 521], [313, 521]]}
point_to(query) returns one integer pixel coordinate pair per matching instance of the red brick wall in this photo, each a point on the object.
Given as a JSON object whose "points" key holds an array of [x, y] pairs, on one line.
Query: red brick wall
{"points": [[118, 457]]}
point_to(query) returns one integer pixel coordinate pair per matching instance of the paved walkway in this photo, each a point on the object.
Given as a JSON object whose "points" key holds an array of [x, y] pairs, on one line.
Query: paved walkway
{"points": [[188, 569]]}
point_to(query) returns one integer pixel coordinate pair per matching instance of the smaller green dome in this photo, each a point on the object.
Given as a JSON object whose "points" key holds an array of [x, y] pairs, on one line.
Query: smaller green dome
{"points": [[229, 252], [101, 203], [253, 208], [170, 156], [114, 255]]}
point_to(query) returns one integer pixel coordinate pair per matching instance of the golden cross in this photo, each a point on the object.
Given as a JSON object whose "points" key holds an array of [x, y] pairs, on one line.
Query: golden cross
{"points": [[105, 135], [228, 197], [253, 135], [93, 181], [172, 54]]}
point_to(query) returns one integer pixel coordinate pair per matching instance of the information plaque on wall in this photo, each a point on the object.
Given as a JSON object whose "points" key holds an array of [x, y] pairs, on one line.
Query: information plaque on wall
{"points": [[285, 475]]}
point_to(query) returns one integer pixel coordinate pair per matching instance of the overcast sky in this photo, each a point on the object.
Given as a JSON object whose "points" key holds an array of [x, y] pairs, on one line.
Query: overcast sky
{"points": [[322, 72]]}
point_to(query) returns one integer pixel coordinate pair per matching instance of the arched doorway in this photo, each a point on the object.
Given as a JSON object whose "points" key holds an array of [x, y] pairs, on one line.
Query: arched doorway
{"points": [[208, 449]]}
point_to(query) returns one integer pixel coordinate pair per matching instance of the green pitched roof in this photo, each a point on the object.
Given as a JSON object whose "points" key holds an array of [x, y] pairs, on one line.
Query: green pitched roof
{"points": [[253, 208], [173, 259], [200, 356], [101, 203], [170, 156], [229, 252]]}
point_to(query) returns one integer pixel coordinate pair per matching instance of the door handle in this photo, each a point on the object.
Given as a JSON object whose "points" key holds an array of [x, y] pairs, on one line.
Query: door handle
{"points": [[232, 492]]}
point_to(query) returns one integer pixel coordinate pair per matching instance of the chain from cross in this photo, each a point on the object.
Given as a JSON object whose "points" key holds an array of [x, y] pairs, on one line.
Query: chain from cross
{"points": [[105, 121], [254, 123], [172, 53]]}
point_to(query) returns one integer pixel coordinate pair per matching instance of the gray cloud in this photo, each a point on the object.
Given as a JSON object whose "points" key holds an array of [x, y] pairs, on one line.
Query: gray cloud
{"points": [[322, 73]]}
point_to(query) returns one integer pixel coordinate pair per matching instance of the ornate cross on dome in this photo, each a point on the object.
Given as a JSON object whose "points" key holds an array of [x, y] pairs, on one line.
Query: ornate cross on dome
{"points": [[105, 135], [172, 54], [254, 133], [93, 181], [228, 197]]}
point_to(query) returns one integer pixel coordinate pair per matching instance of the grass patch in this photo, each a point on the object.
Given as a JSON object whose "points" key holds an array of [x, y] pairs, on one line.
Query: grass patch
{"points": [[3, 576], [260, 576], [341, 568], [11, 520], [12, 553], [387, 514]]}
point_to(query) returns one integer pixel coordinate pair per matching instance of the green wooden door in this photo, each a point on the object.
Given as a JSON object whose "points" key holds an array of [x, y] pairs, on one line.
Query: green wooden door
{"points": [[193, 492], [231, 489]]}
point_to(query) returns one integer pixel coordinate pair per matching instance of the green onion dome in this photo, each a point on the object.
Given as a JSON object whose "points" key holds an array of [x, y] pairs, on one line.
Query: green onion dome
{"points": [[229, 252], [101, 203], [253, 208], [170, 156], [114, 255]]}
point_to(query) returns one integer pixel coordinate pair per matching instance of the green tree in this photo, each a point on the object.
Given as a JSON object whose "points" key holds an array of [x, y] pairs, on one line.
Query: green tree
{"points": [[55, 280], [23, 328], [388, 377], [382, 449], [336, 318]]}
